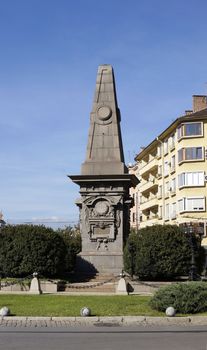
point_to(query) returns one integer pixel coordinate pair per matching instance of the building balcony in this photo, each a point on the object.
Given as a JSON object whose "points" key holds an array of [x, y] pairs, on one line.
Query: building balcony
{"points": [[151, 221], [149, 167], [149, 203], [149, 185]]}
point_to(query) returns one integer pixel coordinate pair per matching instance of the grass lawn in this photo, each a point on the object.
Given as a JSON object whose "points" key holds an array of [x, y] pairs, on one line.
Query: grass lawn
{"points": [[58, 305]]}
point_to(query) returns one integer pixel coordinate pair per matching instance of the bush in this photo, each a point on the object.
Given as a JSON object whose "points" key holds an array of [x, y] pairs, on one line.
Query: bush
{"points": [[160, 252], [130, 252], [190, 297], [26, 249], [72, 239]]}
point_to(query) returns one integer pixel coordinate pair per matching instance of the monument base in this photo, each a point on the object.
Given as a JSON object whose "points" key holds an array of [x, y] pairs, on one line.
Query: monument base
{"points": [[104, 263]]}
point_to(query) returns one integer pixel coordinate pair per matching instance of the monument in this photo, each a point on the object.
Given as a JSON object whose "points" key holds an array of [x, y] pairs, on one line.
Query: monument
{"points": [[2, 222], [104, 184]]}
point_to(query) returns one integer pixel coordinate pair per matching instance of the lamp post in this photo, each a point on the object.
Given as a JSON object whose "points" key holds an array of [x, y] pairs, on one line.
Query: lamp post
{"points": [[188, 229], [131, 249]]}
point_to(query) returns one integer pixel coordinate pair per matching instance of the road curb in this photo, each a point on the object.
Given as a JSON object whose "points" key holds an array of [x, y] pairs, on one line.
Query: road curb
{"points": [[102, 321]]}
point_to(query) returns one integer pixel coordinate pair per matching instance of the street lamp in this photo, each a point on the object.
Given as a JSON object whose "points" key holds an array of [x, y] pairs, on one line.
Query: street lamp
{"points": [[131, 249], [188, 229]]}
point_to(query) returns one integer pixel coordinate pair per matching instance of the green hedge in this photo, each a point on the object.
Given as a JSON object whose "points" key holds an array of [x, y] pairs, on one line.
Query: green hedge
{"points": [[190, 297], [160, 252], [72, 240], [25, 249]]}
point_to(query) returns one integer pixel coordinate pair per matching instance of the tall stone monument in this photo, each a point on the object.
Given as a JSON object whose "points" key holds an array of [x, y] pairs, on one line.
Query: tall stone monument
{"points": [[104, 184]]}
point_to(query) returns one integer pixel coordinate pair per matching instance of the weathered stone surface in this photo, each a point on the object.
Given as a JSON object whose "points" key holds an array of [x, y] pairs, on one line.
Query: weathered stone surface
{"points": [[122, 287], [48, 287], [35, 286], [104, 150], [104, 184]]}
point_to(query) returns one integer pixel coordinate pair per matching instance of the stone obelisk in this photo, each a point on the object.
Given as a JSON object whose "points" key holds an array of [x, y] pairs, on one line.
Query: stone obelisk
{"points": [[104, 184]]}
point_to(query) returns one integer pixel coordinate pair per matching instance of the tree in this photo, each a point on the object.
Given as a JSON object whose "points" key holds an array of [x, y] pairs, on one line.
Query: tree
{"points": [[26, 249], [162, 252], [72, 240]]}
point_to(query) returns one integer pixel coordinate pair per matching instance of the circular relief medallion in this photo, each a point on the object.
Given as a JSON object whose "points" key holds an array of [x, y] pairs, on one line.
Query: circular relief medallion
{"points": [[102, 208], [104, 112]]}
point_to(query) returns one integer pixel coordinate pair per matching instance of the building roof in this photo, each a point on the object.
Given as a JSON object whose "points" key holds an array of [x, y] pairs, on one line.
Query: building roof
{"points": [[199, 115]]}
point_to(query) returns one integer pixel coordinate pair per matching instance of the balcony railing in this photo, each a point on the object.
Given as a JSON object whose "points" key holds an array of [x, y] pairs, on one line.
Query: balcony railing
{"points": [[149, 203], [149, 185], [149, 166], [152, 220]]}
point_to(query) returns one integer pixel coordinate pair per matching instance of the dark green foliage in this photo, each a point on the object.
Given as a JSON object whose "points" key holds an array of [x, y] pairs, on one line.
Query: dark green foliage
{"points": [[162, 252], [190, 297], [25, 249], [72, 239], [130, 254]]}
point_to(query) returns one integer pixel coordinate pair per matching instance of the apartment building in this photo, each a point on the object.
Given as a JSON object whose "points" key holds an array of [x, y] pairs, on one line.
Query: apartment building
{"points": [[2, 222], [173, 173]]}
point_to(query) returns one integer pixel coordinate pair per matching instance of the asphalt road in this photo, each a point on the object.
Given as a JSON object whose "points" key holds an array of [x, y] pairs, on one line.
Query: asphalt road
{"points": [[104, 338]]}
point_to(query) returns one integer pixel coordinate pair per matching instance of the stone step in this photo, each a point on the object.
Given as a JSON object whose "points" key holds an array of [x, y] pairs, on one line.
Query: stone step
{"points": [[96, 278], [91, 287]]}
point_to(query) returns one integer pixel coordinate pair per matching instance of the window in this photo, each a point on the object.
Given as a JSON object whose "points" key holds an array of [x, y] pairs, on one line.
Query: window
{"points": [[191, 179], [181, 180], [165, 146], [172, 141], [159, 152], [159, 170], [193, 153], [180, 132], [191, 204], [173, 163], [133, 217], [195, 204], [190, 153], [159, 193], [166, 172], [167, 187], [181, 205], [173, 186], [166, 211], [173, 211], [160, 212], [180, 155], [190, 129]]}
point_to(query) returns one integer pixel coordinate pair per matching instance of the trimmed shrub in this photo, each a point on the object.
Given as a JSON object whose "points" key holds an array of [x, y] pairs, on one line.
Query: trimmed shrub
{"points": [[26, 249], [72, 239], [130, 252], [160, 252], [186, 297]]}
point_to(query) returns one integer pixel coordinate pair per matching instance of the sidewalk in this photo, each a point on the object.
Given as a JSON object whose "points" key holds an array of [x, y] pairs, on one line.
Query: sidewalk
{"points": [[15, 321]]}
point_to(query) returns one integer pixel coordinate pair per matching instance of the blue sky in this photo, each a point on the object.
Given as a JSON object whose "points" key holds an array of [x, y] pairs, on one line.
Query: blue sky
{"points": [[49, 54]]}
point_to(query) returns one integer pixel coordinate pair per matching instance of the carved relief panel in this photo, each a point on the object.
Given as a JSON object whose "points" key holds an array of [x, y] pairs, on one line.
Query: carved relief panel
{"points": [[102, 217]]}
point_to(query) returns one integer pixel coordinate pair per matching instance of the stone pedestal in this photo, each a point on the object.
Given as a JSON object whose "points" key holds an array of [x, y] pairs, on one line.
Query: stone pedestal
{"points": [[104, 221], [35, 286], [105, 263], [122, 287]]}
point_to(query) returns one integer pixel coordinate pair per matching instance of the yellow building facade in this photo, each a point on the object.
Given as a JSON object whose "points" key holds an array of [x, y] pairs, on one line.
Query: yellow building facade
{"points": [[172, 171]]}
